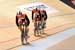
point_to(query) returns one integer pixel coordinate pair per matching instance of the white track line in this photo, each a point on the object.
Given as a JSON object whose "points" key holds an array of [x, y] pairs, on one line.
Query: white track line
{"points": [[50, 41]]}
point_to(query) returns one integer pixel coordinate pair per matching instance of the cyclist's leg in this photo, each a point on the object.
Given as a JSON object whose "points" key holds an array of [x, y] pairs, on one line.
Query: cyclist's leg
{"points": [[43, 27], [39, 27], [35, 29], [26, 35], [22, 37], [20, 28]]}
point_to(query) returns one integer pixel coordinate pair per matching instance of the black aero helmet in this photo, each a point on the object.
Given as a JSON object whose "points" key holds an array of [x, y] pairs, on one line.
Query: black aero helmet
{"points": [[19, 13]]}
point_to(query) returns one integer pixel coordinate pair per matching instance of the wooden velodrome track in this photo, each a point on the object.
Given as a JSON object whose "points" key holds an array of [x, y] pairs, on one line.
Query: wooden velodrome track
{"points": [[10, 34]]}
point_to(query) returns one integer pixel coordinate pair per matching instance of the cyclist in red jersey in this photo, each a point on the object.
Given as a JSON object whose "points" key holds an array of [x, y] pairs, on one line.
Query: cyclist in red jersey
{"points": [[21, 20]]}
